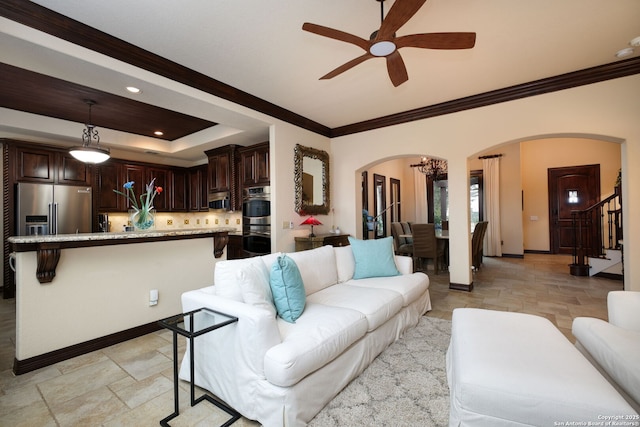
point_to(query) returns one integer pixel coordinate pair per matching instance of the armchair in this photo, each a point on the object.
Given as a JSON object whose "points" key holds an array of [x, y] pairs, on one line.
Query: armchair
{"points": [[612, 347]]}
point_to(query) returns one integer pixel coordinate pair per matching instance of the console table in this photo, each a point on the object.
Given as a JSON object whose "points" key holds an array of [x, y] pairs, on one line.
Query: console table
{"points": [[306, 243]]}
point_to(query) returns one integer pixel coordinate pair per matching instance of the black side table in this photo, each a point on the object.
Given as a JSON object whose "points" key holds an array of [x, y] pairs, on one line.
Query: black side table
{"points": [[192, 325]]}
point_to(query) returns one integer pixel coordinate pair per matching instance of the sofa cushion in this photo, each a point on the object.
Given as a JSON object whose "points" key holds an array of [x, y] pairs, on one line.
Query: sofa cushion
{"points": [[410, 286], [345, 263], [320, 335], [614, 349], [255, 287], [287, 288], [378, 305], [317, 267], [374, 258], [226, 280]]}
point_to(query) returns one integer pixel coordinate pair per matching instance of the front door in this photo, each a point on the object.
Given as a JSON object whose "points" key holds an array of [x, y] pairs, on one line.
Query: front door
{"points": [[570, 188]]}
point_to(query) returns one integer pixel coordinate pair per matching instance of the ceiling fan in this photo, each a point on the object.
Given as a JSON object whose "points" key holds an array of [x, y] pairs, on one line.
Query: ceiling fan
{"points": [[384, 43]]}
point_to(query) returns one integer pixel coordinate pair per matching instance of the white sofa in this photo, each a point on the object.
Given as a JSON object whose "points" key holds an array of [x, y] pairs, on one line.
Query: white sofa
{"points": [[614, 346], [283, 374]]}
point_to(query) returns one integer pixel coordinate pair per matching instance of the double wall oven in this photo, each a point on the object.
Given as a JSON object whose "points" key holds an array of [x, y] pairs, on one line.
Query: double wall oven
{"points": [[256, 220]]}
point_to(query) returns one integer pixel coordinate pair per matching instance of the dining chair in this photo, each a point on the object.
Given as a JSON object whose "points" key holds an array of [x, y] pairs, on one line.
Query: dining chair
{"points": [[445, 225], [406, 228], [402, 247], [477, 249], [426, 246]]}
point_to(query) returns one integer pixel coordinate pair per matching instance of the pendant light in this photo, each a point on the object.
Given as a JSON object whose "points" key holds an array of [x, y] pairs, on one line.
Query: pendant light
{"points": [[434, 169], [86, 153]]}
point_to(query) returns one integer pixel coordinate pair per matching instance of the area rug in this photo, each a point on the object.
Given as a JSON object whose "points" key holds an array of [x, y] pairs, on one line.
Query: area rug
{"points": [[406, 385]]}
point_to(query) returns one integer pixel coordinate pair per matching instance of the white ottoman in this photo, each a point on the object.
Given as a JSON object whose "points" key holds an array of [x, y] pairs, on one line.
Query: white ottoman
{"points": [[518, 369]]}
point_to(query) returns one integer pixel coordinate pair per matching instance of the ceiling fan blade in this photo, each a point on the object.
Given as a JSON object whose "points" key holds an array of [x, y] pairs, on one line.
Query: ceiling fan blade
{"points": [[396, 68], [336, 34], [346, 66], [437, 41], [399, 14]]}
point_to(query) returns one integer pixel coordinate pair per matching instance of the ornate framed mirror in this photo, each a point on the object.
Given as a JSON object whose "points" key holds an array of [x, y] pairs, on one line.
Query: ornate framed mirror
{"points": [[311, 179]]}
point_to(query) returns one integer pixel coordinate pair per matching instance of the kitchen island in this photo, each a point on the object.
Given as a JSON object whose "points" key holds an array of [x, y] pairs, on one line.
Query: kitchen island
{"points": [[76, 293]]}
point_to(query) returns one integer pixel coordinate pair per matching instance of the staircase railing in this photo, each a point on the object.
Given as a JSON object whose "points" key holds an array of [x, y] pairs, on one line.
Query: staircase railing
{"points": [[594, 226]]}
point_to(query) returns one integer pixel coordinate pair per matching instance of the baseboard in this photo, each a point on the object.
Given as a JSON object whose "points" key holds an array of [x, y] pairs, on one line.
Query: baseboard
{"points": [[461, 287], [531, 251], [23, 366], [519, 256], [611, 276]]}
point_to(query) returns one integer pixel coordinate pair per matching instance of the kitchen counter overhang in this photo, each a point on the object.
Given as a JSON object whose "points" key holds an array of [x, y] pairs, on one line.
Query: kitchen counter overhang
{"points": [[48, 247]]}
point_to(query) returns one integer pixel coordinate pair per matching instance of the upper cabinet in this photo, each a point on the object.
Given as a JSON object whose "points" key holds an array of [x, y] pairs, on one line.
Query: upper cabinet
{"points": [[33, 164], [198, 188], [179, 186], [113, 174], [222, 174], [162, 179], [254, 161], [222, 168], [108, 178]]}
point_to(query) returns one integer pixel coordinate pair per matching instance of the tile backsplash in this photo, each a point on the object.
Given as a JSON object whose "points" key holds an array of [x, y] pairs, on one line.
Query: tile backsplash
{"points": [[181, 220]]}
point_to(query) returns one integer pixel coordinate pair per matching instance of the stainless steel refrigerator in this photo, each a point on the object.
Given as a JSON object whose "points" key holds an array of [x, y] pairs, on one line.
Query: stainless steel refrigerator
{"points": [[52, 209]]}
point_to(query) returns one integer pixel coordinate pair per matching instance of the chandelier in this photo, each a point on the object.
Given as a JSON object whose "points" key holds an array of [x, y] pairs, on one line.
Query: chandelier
{"points": [[86, 153], [434, 169]]}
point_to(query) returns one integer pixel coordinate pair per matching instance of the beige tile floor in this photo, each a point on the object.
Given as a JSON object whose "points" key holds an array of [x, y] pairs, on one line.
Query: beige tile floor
{"points": [[130, 384]]}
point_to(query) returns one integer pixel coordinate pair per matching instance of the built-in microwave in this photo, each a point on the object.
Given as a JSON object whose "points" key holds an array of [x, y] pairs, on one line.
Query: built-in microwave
{"points": [[220, 201]]}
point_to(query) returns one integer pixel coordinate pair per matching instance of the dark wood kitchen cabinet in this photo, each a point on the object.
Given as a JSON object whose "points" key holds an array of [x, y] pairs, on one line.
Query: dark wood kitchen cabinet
{"points": [[135, 173], [254, 162], [198, 191], [163, 179], [234, 247], [34, 164], [108, 177], [219, 171], [223, 173], [179, 189]]}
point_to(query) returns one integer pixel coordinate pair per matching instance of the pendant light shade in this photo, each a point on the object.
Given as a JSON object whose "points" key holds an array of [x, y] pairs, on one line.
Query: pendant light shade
{"points": [[86, 153]]}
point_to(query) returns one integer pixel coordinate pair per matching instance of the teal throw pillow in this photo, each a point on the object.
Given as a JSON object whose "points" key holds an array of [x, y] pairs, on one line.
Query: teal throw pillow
{"points": [[374, 258], [287, 289]]}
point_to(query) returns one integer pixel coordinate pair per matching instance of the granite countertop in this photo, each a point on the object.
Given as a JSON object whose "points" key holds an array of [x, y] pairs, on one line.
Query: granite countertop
{"points": [[86, 237]]}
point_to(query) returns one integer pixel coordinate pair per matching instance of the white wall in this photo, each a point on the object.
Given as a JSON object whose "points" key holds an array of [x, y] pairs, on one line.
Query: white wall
{"points": [[606, 110]]}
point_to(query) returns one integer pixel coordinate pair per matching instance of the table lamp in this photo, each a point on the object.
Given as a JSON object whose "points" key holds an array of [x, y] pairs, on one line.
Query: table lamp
{"points": [[311, 221]]}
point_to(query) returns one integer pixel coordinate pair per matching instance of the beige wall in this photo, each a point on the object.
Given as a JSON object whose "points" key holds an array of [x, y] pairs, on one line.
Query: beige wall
{"points": [[398, 169], [98, 291], [283, 139], [605, 111], [511, 227], [540, 155]]}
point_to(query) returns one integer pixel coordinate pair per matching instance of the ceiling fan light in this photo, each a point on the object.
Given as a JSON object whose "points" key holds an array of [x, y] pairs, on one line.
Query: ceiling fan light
{"points": [[91, 155], [383, 48]]}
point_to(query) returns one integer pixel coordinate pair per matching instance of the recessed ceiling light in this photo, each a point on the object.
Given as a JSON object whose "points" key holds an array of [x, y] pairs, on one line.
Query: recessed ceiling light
{"points": [[133, 89], [635, 42], [158, 133], [622, 53]]}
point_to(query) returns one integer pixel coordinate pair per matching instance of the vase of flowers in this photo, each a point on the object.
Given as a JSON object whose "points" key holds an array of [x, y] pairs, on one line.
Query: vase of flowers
{"points": [[142, 213], [142, 219]]}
